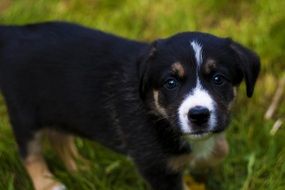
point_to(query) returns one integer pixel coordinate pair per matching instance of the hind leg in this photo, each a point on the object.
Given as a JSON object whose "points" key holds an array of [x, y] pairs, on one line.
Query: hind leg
{"points": [[63, 144], [37, 168], [28, 138]]}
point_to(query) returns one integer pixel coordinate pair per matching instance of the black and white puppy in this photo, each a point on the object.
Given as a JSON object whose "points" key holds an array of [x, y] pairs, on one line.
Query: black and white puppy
{"points": [[165, 104]]}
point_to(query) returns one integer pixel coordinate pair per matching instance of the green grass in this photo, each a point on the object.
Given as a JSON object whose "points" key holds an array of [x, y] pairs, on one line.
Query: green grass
{"points": [[256, 159]]}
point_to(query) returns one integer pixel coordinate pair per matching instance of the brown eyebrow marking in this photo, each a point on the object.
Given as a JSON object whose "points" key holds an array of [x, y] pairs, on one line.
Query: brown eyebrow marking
{"points": [[210, 65], [177, 68]]}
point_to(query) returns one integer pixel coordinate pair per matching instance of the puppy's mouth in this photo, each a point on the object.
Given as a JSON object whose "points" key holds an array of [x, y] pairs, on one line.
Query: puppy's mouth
{"points": [[199, 135]]}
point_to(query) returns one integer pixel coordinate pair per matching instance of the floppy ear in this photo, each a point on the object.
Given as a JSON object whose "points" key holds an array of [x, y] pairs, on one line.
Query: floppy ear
{"points": [[144, 62], [249, 64]]}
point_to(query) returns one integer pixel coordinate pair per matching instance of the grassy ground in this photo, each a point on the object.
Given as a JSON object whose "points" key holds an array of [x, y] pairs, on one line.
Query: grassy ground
{"points": [[256, 159]]}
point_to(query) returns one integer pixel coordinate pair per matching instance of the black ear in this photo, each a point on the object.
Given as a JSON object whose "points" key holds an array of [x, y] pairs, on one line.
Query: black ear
{"points": [[144, 62], [249, 64]]}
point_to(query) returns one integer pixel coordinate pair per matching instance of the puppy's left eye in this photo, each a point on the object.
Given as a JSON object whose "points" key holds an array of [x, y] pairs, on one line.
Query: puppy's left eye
{"points": [[170, 84], [218, 79]]}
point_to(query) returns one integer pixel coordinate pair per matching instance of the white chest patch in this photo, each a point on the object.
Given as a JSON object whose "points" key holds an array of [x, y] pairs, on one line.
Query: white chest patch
{"points": [[202, 149], [209, 152]]}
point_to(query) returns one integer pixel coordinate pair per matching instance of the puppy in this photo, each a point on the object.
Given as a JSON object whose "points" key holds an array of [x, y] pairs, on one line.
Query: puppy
{"points": [[165, 104]]}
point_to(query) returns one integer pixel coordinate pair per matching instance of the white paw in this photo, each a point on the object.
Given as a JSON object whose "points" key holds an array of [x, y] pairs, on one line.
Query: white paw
{"points": [[59, 187]]}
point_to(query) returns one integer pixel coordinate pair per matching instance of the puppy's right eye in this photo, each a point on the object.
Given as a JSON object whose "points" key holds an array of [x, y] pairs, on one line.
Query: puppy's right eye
{"points": [[218, 79], [170, 84]]}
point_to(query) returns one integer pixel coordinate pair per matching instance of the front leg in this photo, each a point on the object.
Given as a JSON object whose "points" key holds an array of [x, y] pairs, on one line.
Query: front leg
{"points": [[150, 144], [151, 159], [159, 177]]}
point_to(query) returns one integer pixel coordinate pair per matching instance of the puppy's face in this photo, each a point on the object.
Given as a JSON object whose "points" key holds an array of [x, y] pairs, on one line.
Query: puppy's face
{"points": [[190, 79]]}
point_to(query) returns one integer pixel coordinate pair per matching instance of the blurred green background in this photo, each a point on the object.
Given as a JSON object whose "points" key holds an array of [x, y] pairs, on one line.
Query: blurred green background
{"points": [[257, 158]]}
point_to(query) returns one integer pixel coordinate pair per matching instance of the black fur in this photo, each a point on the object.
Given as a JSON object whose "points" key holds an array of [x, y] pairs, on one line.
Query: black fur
{"points": [[98, 86]]}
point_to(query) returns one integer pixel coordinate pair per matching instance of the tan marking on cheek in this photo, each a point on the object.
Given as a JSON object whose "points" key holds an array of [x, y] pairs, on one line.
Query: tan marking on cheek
{"points": [[233, 100], [158, 107], [178, 163], [235, 91], [37, 168], [230, 106], [179, 69], [210, 65], [64, 146]]}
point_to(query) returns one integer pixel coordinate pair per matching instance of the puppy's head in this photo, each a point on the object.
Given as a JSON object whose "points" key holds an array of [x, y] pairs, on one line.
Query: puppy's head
{"points": [[190, 78]]}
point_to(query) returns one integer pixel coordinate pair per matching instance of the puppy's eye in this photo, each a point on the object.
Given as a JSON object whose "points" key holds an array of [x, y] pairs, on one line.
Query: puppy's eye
{"points": [[218, 79], [170, 84]]}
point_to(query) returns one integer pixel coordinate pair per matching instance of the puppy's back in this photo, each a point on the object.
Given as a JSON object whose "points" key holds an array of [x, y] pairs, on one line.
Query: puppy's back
{"points": [[63, 73]]}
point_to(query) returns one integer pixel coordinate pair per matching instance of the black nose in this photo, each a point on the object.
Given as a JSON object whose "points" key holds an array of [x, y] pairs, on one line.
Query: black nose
{"points": [[199, 115]]}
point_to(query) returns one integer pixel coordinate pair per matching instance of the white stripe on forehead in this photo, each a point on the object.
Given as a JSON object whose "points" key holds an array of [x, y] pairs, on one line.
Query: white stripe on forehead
{"points": [[197, 97], [198, 52]]}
